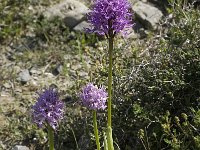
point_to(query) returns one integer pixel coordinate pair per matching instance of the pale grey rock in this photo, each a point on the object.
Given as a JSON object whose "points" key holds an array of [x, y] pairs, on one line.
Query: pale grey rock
{"points": [[24, 76], [76, 66], [81, 26], [7, 85], [18, 90], [16, 69], [83, 75], [20, 147], [71, 11], [131, 34], [35, 71], [148, 15]]}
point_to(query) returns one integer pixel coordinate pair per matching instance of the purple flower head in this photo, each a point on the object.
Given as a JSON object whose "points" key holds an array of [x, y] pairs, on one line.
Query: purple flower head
{"points": [[93, 97], [109, 17], [48, 109]]}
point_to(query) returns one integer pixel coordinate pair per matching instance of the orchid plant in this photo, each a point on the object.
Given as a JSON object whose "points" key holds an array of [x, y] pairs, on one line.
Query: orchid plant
{"points": [[48, 111], [94, 98], [110, 17]]}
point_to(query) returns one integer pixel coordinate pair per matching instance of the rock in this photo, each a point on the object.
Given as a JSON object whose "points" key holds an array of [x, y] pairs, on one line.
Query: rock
{"points": [[71, 11], [58, 69], [18, 90], [76, 66], [24, 76], [83, 74], [72, 73], [35, 71], [7, 85], [132, 34], [148, 15], [81, 26], [16, 69], [19, 147]]}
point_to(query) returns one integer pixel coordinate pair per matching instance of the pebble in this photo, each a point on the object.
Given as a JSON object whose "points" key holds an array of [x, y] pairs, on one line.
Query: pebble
{"points": [[24, 76], [20, 147]]}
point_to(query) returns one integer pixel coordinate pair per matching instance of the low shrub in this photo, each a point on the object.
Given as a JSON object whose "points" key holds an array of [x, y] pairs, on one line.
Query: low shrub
{"points": [[166, 80]]}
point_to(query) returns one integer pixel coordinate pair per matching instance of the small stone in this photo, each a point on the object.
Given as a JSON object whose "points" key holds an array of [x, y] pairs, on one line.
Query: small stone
{"points": [[7, 85], [148, 15], [24, 76], [132, 34], [67, 57], [18, 90], [83, 74], [71, 11], [20, 147], [33, 83], [81, 26], [76, 66], [144, 1], [35, 71], [57, 70], [72, 73], [16, 69]]}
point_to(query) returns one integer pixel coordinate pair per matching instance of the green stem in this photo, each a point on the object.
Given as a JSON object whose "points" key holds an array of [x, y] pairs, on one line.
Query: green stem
{"points": [[110, 51], [51, 137], [109, 138], [109, 128], [95, 129]]}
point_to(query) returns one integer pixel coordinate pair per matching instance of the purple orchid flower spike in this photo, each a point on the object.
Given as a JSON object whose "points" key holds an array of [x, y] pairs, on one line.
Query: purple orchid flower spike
{"points": [[93, 97], [48, 109], [109, 17]]}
